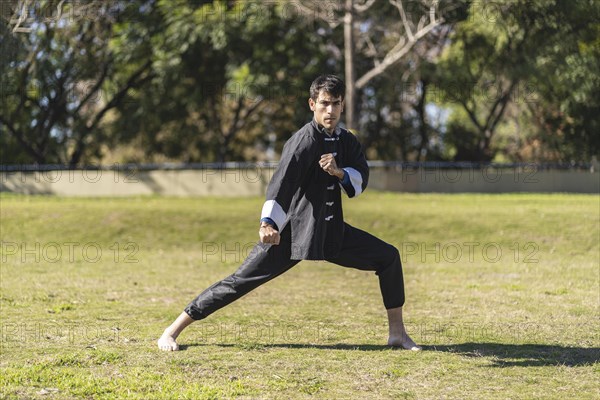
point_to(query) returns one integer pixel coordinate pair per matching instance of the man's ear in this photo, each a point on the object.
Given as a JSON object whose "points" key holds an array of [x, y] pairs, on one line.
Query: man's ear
{"points": [[311, 104]]}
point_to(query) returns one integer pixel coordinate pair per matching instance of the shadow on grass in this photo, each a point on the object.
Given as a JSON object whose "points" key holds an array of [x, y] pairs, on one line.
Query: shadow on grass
{"points": [[500, 354], [251, 345], [524, 355]]}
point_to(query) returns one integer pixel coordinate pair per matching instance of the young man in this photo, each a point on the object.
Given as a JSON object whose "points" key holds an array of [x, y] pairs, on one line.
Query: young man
{"points": [[302, 219]]}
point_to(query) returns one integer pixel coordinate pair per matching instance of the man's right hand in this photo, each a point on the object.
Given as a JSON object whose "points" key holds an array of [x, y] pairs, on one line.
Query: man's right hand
{"points": [[268, 234]]}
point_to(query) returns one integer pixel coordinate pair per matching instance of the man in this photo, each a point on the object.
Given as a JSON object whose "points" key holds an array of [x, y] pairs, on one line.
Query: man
{"points": [[302, 219]]}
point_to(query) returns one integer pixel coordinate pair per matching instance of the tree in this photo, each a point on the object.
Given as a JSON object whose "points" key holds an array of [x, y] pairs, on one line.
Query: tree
{"points": [[209, 80], [565, 117], [512, 55], [153, 80], [228, 76], [55, 84], [387, 32]]}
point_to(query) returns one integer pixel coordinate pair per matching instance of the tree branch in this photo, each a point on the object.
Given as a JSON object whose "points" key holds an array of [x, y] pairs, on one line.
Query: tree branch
{"points": [[407, 29], [371, 50], [249, 111], [320, 13], [95, 88], [396, 54], [236, 117], [504, 102], [133, 81], [21, 18], [364, 7], [39, 157], [472, 115]]}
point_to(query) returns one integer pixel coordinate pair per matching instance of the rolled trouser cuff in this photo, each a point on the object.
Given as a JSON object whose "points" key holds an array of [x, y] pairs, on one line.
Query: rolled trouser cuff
{"points": [[193, 313]]}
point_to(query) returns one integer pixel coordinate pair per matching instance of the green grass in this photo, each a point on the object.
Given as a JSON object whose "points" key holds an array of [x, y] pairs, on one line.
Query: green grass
{"points": [[502, 291]]}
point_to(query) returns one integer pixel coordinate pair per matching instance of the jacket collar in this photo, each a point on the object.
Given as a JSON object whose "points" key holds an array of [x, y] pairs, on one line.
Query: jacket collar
{"points": [[320, 128]]}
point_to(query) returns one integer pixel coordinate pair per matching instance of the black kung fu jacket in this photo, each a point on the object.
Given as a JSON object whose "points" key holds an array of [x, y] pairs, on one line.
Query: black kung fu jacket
{"points": [[307, 198]]}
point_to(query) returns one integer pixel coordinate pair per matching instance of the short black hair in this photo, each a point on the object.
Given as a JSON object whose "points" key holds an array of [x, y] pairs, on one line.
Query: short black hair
{"points": [[331, 84]]}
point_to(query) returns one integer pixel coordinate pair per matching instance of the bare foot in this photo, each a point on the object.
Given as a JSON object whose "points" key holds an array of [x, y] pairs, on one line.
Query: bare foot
{"points": [[403, 341], [167, 342]]}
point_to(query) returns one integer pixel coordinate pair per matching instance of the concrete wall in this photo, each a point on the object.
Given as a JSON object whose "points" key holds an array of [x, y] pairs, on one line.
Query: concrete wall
{"points": [[253, 181], [197, 182], [485, 180]]}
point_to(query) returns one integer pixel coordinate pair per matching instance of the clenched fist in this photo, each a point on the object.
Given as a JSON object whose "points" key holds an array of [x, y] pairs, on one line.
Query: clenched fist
{"points": [[327, 162], [268, 234]]}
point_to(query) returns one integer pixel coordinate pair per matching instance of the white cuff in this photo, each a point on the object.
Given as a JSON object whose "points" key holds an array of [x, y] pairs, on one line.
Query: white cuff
{"points": [[272, 209], [355, 179]]}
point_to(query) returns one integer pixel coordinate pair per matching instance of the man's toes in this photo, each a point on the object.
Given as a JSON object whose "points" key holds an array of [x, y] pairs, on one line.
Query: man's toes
{"points": [[167, 344], [409, 344]]}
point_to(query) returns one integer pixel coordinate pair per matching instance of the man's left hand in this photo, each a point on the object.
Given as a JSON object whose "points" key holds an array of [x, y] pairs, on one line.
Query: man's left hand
{"points": [[327, 162]]}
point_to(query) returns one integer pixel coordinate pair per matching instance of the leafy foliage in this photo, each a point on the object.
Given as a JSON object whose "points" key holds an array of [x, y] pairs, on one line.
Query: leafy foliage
{"points": [[191, 81], [522, 62]]}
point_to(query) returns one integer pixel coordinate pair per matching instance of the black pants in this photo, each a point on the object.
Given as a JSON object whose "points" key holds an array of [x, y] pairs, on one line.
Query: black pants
{"points": [[360, 250]]}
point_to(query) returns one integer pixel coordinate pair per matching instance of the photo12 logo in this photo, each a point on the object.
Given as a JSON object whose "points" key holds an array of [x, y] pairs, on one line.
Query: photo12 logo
{"points": [[487, 174], [116, 173], [471, 252], [25, 333], [67, 252], [262, 332]]}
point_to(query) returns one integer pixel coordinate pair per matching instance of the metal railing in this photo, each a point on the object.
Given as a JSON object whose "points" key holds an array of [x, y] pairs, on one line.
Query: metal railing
{"points": [[592, 167]]}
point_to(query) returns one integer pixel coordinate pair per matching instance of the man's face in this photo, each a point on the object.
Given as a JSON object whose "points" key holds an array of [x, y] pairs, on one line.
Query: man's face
{"points": [[327, 109]]}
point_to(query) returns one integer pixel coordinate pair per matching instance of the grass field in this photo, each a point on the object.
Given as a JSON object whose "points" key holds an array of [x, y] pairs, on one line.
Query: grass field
{"points": [[502, 292]]}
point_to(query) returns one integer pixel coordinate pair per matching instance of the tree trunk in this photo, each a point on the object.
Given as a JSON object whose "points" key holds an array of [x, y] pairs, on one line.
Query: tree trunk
{"points": [[350, 101], [424, 146]]}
